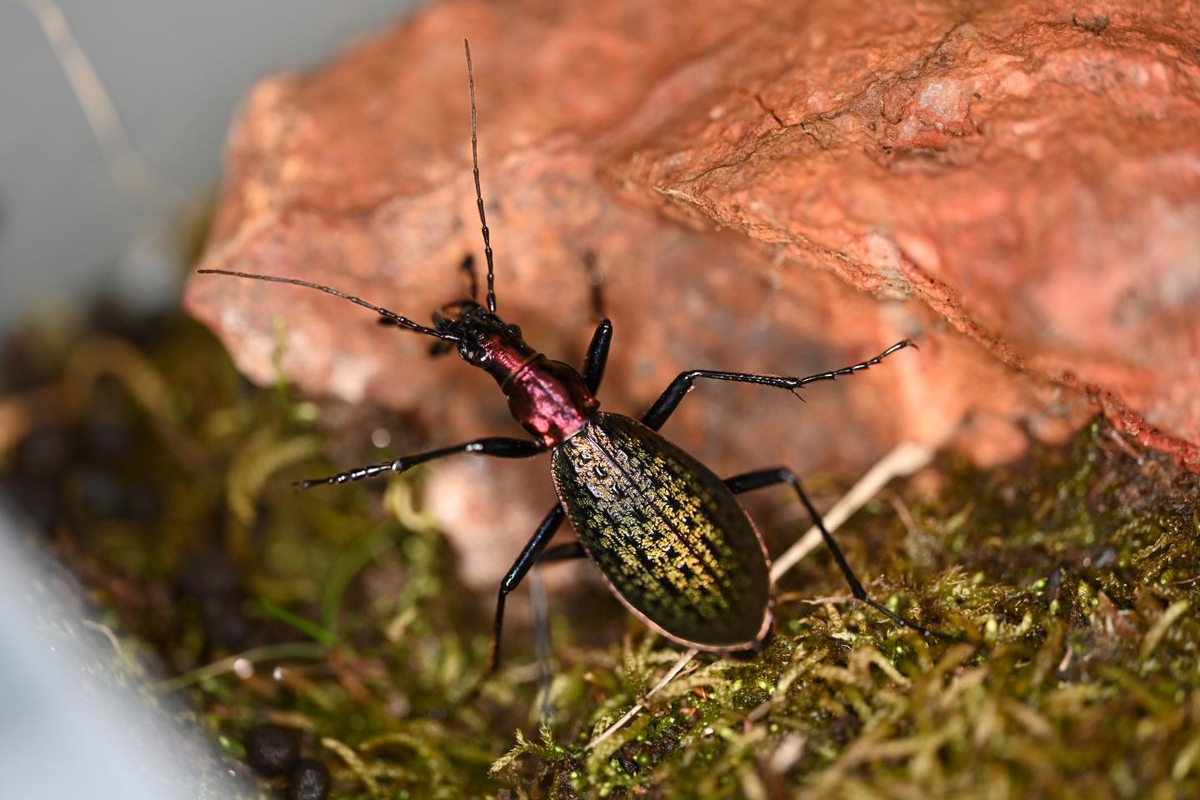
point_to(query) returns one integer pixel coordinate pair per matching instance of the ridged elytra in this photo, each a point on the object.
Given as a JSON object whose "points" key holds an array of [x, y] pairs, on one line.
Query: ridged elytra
{"points": [[669, 536]]}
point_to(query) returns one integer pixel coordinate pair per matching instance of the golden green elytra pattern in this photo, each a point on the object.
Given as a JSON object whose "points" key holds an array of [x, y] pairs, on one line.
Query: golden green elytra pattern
{"points": [[669, 537]]}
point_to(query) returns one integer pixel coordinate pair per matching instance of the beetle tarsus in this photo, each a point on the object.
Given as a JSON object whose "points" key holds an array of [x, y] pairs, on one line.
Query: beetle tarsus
{"points": [[670, 399]]}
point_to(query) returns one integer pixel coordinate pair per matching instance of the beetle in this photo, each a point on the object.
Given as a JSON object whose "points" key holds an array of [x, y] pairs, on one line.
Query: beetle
{"points": [[669, 536]]}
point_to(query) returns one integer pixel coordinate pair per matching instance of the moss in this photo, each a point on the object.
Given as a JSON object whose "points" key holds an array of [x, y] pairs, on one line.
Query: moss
{"points": [[1071, 578]]}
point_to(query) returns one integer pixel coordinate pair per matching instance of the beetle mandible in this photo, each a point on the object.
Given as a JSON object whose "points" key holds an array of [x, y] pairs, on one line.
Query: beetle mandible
{"points": [[670, 537]]}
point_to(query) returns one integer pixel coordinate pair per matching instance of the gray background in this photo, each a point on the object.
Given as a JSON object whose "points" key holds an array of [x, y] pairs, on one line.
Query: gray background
{"points": [[175, 71]]}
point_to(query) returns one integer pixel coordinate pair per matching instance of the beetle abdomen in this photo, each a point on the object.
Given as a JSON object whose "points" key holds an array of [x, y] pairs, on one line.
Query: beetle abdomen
{"points": [[670, 538]]}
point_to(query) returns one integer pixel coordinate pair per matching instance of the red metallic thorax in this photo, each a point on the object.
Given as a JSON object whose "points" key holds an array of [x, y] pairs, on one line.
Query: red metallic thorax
{"points": [[547, 397]]}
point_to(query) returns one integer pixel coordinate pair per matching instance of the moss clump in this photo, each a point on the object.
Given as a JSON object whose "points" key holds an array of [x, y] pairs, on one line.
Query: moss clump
{"points": [[164, 481]]}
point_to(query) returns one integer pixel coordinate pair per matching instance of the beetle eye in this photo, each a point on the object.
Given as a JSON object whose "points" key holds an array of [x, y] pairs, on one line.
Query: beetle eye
{"points": [[515, 330], [472, 353]]}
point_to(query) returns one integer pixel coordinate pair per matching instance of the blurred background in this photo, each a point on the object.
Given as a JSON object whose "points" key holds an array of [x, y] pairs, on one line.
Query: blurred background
{"points": [[113, 119], [114, 115]]}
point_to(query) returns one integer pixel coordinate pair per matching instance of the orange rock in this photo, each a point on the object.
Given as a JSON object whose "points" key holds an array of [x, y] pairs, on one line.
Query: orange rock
{"points": [[775, 187]]}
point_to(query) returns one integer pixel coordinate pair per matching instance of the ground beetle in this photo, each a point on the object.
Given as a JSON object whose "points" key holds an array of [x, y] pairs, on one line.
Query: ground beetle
{"points": [[670, 537]]}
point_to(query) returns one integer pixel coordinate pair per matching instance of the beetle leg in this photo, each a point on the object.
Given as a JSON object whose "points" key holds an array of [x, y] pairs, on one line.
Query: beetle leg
{"points": [[669, 400], [597, 356], [760, 479], [520, 568], [498, 446]]}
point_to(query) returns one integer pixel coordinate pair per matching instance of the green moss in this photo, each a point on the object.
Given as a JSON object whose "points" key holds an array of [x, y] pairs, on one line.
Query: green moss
{"points": [[1072, 578]]}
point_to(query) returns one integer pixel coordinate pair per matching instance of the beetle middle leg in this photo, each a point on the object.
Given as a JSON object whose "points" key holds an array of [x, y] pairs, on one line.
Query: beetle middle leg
{"points": [[761, 479], [530, 555], [669, 400], [497, 446], [533, 553]]}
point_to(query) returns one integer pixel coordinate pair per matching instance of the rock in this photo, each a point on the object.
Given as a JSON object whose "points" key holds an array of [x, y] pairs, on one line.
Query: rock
{"points": [[779, 187]]}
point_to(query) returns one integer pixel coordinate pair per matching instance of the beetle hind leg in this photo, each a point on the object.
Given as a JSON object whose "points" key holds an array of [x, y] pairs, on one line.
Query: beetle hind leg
{"points": [[761, 479]]}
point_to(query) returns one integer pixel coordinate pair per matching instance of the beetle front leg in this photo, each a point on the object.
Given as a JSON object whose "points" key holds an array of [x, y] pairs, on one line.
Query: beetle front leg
{"points": [[517, 572], [669, 400], [498, 446], [597, 356], [761, 479]]}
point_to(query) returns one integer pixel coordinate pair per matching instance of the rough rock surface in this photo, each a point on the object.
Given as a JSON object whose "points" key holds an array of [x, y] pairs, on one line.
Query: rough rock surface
{"points": [[775, 187]]}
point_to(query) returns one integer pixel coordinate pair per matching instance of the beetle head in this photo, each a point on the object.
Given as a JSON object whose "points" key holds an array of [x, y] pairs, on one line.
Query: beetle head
{"points": [[477, 334]]}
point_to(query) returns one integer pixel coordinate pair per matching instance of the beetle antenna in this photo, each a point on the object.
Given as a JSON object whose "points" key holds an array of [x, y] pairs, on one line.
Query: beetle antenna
{"points": [[487, 242], [391, 316]]}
